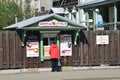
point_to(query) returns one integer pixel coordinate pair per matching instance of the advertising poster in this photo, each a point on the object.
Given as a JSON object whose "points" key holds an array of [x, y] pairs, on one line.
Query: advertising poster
{"points": [[65, 45], [46, 51], [32, 47]]}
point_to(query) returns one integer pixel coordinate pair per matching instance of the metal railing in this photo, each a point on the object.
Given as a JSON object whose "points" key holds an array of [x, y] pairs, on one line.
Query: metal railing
{"points": [[108, 26]]}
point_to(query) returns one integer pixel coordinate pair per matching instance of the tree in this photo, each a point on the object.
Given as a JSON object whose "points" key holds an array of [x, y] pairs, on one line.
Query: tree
{"points": [[8, 12]]}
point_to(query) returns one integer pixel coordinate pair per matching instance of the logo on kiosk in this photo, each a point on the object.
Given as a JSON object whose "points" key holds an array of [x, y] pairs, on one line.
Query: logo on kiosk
{"points": [[53, 23]]}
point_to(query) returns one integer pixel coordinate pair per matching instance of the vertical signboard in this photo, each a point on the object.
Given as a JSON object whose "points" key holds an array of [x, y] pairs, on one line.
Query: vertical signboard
{"points": [[32, 47], [65, 45]]}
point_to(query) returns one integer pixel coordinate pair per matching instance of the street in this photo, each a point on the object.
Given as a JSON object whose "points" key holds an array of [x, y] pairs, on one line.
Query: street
{"points": [[89, 74]]}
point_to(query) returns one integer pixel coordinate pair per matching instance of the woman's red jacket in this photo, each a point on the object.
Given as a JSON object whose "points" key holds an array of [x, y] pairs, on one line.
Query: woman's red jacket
{"points": [[54, 51]]}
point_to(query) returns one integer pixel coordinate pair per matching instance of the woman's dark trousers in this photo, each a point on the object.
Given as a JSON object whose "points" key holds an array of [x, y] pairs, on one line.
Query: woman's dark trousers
{"points": [[54, 62]]}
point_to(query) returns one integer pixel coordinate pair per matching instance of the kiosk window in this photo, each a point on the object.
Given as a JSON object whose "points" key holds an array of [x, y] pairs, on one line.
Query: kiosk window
{"points": [[48, 38], [48, 41], [45, 41]]}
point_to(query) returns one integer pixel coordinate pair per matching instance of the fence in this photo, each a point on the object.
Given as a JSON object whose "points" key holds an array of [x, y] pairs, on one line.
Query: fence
{"points": [[86, 53], [93, 54]]}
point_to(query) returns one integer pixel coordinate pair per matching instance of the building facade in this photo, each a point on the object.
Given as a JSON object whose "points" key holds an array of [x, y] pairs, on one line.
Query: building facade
{"points": [[96, 15], [71, 10], [36, 7], [101, 14]]}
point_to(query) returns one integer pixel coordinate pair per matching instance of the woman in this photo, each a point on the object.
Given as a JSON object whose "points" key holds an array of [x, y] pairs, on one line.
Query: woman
{"points": [[54, 56]]}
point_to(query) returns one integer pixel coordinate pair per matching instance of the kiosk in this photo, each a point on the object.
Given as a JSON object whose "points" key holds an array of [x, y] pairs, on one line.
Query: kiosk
{"points": [[38, 33]]}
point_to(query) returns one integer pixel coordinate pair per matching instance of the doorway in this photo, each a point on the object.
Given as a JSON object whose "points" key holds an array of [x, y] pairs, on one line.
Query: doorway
{"points": [[47, 41], [46, 38]]}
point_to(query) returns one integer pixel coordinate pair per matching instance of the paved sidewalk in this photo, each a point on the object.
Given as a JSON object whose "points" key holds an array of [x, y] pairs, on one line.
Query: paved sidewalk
{"points": [[96, 74], [28, 70], [68, 73]]}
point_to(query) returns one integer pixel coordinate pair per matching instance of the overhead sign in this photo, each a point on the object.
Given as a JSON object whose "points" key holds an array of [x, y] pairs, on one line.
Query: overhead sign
{"points": [[53, 23]]}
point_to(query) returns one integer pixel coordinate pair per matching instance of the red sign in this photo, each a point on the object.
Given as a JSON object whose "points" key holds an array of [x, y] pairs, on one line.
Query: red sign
{"points": [[52, 23]]}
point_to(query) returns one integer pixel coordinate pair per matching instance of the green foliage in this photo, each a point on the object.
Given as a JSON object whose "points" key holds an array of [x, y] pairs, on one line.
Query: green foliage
{"points": [[8, 11]]}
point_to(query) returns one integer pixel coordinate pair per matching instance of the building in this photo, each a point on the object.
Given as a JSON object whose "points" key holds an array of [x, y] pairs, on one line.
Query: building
{"points": [[97, 15], [71, 10], [101, 14], [40, 31], [36, 7]]}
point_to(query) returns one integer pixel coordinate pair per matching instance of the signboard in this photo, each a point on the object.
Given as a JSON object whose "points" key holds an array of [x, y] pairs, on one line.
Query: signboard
{"points": [[32, 49], [53, 23], [32, 46], [102, 39], [65, 45]]}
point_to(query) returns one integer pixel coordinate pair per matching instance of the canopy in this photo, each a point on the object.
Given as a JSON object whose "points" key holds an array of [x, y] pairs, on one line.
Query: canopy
{"points": [[35, 20]]}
